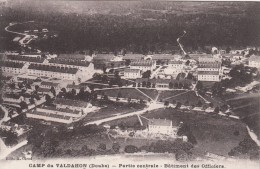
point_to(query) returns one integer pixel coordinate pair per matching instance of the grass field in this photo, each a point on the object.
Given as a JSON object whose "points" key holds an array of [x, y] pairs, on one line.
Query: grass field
{"points": [[150, 92], [168, 93], [112, 110], [189, 96], [125, 93], [247, 108]]}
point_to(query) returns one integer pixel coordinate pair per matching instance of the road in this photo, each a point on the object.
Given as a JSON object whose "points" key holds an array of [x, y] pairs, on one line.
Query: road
{"points": [[152, 106], [8, 150]]}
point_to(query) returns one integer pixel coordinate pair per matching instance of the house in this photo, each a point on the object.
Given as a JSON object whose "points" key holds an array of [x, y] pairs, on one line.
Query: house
{"points": [[132, 73], [12, 98], [74, 105], [143, 65], [254, 61], [12, 67], [133, 57], [160, 126]]}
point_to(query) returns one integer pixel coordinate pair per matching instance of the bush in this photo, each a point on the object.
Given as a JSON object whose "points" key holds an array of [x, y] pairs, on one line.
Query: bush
{"points": [[131, 149], [116, 147]]}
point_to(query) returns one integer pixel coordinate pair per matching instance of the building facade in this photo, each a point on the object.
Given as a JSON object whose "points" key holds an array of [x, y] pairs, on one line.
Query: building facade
{"points": [[132, 73], [143, 65]]}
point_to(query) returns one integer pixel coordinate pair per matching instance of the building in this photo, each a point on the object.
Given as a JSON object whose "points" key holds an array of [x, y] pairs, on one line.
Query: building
{"points": [[25, 59], [69, 87], [74, 105], [49, 116], [143, 65], [209, 69], [12, 98], [132, 73], [64, 73], [12, 67], [35, 55], [160, 126], [208, 76], [49, 85], [176, 66], [254, 61]]}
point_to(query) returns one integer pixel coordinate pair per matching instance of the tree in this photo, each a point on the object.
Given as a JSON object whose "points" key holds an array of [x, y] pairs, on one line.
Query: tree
{"points": [[116, 147], [36, 87], [53, 91], [199, 103], [102, 147], [131, 149], [178, 105], [211, 105], [187, 63], [23, 105], [166, 103], [146, 74], [32, 100], [216, 110], [127, 62], [170, 85], [181, 155], [48, 99]]}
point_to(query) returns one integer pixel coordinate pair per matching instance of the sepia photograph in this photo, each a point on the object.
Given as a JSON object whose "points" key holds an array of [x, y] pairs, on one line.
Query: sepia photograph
{"points": [[129, 84]]}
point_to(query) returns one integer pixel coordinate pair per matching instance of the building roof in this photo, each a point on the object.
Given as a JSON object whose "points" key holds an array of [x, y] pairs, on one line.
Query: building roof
{"points": [[11, 64], [142, 63], [209, 65], [163, 56], [43, 90], [69, 102], [49, 84], [71, 86], [133, 56], [49, 115], [31, 53], [72, 56], [53, 68], [208, 73], [254, 58], [160, 122], [103, 57], [132, 70], [60, 110], [25, 58], [74, 62], [175, 62]]}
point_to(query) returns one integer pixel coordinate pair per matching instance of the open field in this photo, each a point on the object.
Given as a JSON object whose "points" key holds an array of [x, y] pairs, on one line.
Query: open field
{"points": [[166, 94], [212, 132], [112, 110], [150, 92], [125, 93], [189, 96], [247, 108]]}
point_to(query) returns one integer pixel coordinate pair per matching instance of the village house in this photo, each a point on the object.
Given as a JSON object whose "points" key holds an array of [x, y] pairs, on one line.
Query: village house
{"points": [[160, 126], [143, 65], [254, 61], [25, 59], [69, 87], [49, 85], [74, 105], [132, 73], [12, 98], [34, 55]]}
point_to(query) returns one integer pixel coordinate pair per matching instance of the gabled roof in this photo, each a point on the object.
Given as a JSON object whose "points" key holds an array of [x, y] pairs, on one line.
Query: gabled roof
{"points": [[11, 64], [208, 73], [132, 70], [142, 63], [72, 56], [133, 56], [49, 84], [160, 122]]}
